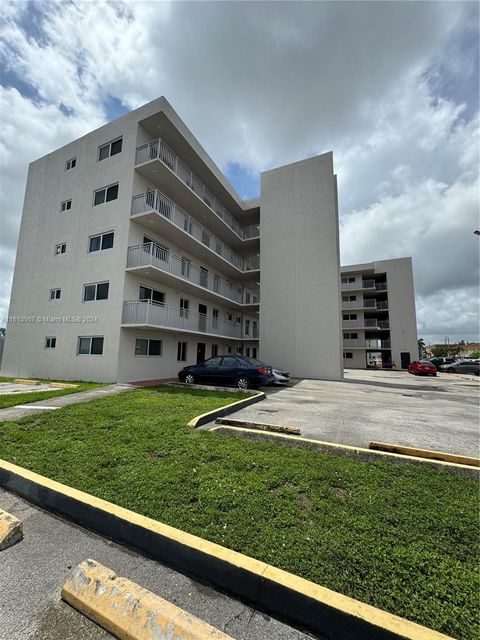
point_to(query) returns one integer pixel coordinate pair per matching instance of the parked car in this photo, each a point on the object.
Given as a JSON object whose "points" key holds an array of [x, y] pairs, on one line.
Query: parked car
{"points": [[439, 361], [232, 370], [462, 366], [280, 376], [422, 368]]}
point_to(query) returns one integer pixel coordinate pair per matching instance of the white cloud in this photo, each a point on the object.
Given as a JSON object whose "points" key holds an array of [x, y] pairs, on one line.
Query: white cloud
{"points": [[263, 84]]}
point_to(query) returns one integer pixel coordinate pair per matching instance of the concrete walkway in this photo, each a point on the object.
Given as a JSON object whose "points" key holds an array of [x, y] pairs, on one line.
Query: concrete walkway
{"points": [[32, 408]]}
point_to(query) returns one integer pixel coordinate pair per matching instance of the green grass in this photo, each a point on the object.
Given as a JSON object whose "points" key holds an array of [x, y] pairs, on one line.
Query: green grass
{"points": [[13, 399], [399, 537]]}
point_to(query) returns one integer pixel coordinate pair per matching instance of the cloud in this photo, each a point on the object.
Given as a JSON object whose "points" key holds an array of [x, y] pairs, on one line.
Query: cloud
{"points": [[391, 88]]}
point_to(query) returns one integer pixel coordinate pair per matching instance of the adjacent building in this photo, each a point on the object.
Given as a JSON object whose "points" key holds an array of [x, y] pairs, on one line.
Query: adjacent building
{"points": [[378, 314], [136, 257]]}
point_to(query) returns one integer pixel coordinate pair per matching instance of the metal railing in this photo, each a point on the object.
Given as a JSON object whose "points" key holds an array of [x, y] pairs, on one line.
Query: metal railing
{"points": [[359, 304], [367, 344], [368, 323], [153, 254], [155, 200], [162, 315], [159, 150], [365, 284], [381, 286]]}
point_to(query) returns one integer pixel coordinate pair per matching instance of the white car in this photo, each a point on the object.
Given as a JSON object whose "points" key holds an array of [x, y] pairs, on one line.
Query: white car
{"points": [[281, 376]]}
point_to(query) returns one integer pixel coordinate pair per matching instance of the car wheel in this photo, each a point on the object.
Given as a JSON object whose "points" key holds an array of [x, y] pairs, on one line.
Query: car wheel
{"points": [[242, 382], [189, 378], [450, 370]]}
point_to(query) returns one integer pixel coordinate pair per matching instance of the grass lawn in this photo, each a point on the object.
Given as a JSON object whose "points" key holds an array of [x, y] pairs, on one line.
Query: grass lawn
{"points": [[401, 538], [12, 399]]}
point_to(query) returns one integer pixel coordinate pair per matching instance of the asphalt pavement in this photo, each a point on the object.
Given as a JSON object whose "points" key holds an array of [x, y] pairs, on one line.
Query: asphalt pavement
{"points": [[440, 413], [33, 571]]}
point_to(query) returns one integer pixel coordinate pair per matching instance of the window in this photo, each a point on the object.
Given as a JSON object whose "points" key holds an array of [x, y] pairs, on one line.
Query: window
{"points": [[247, 352], [350, 336], [247, 327], [95, 291], [70, 164], [148, 347], [213, 362], [55, 294], [100, 242], [186, 266], [254, 329], [181, 351], [349, 316], [157, 297], [187, 225], [254, 352], [214, 350], [215, 318], [239, 349], [348, 280], [229, 317], [66, 205], [50, 342], [90, 346], [105, 194], [60, 248], [349, 298], [347, 355], [184, 307], [238, 320], [216, 283], [206, 237], [229, 362], [110, 149]]}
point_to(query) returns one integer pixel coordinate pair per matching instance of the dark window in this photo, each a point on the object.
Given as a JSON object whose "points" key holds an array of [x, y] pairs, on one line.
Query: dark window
{"points": [[141, 347], [181, 351], [154, 347], [107, 240], [186, 266], [70, 164], [348, 355], [230, 362], [214, 349], [110, 149], [104, 152], [50, 342], [213, 362], [90, 346], [66, 206], [184, 306], [116, 147], [106, 194], [101, 242], [157, 297], [96, 291], [55, 294], [60, 248]]}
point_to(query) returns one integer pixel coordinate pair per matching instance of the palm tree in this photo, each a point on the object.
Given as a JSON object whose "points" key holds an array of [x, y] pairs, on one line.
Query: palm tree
{"points": [[422, 351]]}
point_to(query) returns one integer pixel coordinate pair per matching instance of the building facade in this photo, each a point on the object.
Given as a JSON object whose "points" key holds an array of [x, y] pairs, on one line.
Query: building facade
{"points": [[378, 314], [137, 257]]}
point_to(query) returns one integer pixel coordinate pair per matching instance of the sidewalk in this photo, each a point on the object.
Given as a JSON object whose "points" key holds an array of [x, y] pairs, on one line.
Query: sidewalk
{"points": [[32, 408]]}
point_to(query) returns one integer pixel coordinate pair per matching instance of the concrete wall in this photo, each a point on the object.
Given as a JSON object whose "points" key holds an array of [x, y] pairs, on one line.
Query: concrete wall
{"points": [[300, 303]]}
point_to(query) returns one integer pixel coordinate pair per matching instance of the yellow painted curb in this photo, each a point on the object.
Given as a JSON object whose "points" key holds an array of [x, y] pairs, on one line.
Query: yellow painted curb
{"points": [[338, 448], [25, 381], [11, 530], [425, 453], [272, 580], [129, 611], [63, 385], [228, 408], [260, 426]]}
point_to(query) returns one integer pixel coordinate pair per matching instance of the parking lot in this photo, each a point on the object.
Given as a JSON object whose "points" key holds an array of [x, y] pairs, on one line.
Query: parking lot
{"points": [[440, 413]]}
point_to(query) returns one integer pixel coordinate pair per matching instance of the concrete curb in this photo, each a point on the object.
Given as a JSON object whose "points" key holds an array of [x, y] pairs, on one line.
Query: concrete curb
{"points": [[261, 426], [347, 450], [25, 381], [210, 416], [11, 530], [129, 611], [425, 453], [302, 603]]}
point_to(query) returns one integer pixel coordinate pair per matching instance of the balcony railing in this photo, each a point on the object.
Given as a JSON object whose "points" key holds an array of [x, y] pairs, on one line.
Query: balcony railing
{"points": [[159, 150], [365, 284], [155, 200], [367, 344], [152, 254], [162, 315], [359, 304], [368, 323]]}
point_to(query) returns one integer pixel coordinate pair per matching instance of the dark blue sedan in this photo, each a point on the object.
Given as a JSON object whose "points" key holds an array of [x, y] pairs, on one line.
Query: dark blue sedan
{"points": [[235, 371]]}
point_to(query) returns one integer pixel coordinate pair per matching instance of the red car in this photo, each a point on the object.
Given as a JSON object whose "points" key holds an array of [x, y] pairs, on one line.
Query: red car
{"points": [[422, 368]]}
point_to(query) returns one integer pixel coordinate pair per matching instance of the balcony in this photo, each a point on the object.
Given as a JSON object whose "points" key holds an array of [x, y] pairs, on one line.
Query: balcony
{"points": [[364, 284], [159, 150], [151, 314], [366, 344], [360, 304], [152, 261], [366, 323], [155, 211]]}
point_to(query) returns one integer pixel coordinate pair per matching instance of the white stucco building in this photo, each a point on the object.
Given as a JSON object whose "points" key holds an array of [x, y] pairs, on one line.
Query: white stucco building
{"points": [[378, 314], [136, 257]]}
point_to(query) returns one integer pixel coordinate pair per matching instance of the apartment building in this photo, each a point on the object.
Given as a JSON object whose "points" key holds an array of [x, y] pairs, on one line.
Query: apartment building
{"points": [[137, 257], [378, 314]]}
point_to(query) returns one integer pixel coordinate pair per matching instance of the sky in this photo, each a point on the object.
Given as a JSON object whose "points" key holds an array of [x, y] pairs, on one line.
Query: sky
{"points": [[392, 88]]}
